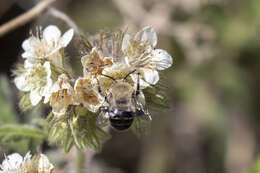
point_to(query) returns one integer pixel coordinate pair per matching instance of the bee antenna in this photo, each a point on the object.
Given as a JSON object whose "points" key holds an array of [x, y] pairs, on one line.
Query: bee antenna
{"points": [[110, 77], [129, 74]]}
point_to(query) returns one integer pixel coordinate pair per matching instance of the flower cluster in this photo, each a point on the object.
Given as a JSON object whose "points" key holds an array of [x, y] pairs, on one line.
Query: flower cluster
{"points": [[140, 53], [15, 163], [40, 53], [45, 75]]}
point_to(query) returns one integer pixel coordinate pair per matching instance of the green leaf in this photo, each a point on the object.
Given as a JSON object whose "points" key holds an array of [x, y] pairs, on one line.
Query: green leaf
{"points": [[79, 128], [17, 132], [21, 137], [87, 132]]}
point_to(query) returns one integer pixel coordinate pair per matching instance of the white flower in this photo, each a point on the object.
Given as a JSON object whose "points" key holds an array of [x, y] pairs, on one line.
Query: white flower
{"points": [[87, 95], [44, 165], [93, 64], [14, 163], [141, 54], [47, 47], [62, 95], [37, 80]]}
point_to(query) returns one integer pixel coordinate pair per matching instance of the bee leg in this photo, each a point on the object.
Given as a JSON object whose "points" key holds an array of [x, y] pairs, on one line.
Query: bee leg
{"points": [[135, 94], [138, 85], [129, 74], [100, 91], [99, 88], [109, 77]]}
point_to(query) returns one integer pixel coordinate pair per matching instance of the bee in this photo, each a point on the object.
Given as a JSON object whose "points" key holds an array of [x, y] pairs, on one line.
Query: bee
{"points": [[123, 103]]}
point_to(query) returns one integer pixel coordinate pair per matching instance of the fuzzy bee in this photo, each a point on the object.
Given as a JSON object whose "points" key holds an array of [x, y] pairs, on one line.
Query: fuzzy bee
{"points": [[123, 103]]}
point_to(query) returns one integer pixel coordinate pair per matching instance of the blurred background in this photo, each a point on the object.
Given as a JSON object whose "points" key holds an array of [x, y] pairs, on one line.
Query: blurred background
{"points": [[212, 124]]}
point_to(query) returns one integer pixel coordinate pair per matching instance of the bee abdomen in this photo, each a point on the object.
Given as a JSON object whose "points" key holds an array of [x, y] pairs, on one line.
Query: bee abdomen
{"points": [[122, 120], [121, 124]]}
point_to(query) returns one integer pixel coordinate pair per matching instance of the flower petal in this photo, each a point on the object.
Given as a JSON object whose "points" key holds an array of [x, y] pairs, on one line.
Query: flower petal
{"points": [[28, 63], [28, 44], [28, 54], [12, 162], [55, 88], [126, 40], [21, 83], [86, 94], [151, 76], [47, 97], [51, 34], [27, 156], [127, 61], [63, 82], [35, 97], [162, 58], [66, 38], [47, 66], [147, 34], [44, 164], [47, 91]]}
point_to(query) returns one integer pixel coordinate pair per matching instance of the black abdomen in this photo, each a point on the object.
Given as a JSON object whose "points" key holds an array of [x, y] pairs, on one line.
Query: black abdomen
{"points": [[122, 120]]}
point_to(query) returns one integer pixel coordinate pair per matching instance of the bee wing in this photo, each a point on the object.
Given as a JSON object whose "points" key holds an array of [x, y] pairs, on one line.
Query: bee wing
{"points": [[140, 105], [141, 123]]}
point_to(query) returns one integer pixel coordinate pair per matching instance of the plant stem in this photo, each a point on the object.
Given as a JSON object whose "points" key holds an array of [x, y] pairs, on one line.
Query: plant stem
{"points": [[24, 18], [80, 161], [84, 160], [63, 16]]}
